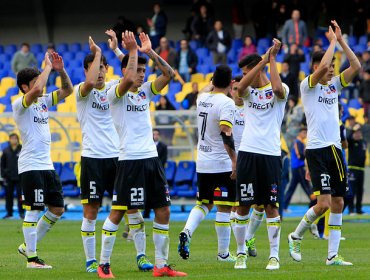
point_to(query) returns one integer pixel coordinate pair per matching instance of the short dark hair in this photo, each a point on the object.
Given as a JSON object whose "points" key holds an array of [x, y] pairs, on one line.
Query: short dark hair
{"points": [[222, 76], [156, 129], [25, 76], [14, 135], [238, 78], [317, 57], [25, 44], [250, 61], [90, 58], [140, 60], [303, 128]]}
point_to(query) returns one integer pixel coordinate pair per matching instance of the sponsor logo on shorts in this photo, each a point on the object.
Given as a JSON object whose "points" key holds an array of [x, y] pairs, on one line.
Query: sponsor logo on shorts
{"points": [[220, 192], [274, 189]]}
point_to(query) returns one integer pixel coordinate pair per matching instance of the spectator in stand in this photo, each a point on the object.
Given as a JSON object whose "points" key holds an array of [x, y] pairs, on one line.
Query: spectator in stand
{"points": [[356, 167], [163, 119], [287, 78], [248, 48], [202, 25], [53, 74], [297, 162], [238, 18], [186, 61], [188, 32], [121, 26], [294, 118], [23, 59], [166, 52], [351, 123], [190, 100], [294, 30], [219, 43], [359, 17], [157, 25], [365, 60], [294, 57], [9, 172], [364, 92], [316, 48]]}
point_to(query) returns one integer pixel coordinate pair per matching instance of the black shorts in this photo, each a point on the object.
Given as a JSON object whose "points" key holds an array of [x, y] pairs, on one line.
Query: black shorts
{"points": [[140, 184], [97, 176], [216, 188], [40, 188], [327, 170], [257, 179]]}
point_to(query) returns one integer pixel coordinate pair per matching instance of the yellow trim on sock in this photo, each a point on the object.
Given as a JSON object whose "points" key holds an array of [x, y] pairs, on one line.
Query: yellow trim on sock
{"points": [[135, 226], [109, 233], [222, 224], [274, 224], [160, 231], [317, 193], [46, 219], [332, 227], [201, 209], [29, 224], [241, 222], [87, 233]]}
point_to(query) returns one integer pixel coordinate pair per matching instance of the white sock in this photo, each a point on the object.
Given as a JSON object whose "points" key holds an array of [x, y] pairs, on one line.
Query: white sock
{"points": [[273, 231], [232, 222], [137, 229], [88, 238], [30, 232], [161, 243], [222, 225], [254, 223], [241, 223], [45, 224], [109, 233], [197, 214], [335, 230], [305, 223]]}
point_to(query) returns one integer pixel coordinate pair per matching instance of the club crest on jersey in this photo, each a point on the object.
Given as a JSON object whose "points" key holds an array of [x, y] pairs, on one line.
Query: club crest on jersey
{"points": [[42, 108], [220, 192], [142, 95], [268, 94], [332, 88]]}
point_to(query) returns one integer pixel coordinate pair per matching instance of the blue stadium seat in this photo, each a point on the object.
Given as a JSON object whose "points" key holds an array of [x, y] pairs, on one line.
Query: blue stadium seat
{"points": [[103, 46], [75, 47], [359, 48], [354, 103], [71, 191], [264, 43], [170, 170], [50, 89], [12, 91], [68, 56], [5, 100], [10, 49], [363, 40], [62, 48], [236, 44], [184, 176], [174, 87], [1, 49], [202, 52], [80, 56], [352, 41], [2, 191], [4, 57], [305, 67], [55, 137], [194, 44], [204, 68], [58, 167], [74, 146], [86, 47], [4, 73], [109, 55], [4, 145], [8, 108], [67, 175], [36, 48]]}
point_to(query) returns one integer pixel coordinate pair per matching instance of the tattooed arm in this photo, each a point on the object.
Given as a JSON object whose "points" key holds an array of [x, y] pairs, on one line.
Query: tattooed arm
{"points": [[66, 88], [130, 74], [167, 72]]}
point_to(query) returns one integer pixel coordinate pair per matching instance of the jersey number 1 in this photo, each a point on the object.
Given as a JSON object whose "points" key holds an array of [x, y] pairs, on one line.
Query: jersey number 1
{"points": [[204, 123]]}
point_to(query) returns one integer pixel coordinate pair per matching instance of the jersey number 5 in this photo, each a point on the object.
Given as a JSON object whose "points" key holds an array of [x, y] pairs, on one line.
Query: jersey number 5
{"points": [[204, 123]]}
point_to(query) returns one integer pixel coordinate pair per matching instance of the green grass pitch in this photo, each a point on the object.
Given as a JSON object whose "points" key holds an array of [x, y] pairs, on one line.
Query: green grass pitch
{"points": [[62, 248]]}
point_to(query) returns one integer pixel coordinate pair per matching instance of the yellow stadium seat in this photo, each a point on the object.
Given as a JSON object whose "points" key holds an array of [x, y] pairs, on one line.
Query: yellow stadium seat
{"points": [[58, 82], [180, 96], [301, 76], [352, 112], [360, 116], [202, 85], [152, 106], [187, 87], [4, 136], [197, 77], [164, 90], [2, 108], [15, 97], [8, 81], [208, 77], [110, 71], [152, 77]]}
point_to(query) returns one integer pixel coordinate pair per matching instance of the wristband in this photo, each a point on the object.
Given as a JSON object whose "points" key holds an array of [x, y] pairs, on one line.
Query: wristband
{"points": [[118, 52]]}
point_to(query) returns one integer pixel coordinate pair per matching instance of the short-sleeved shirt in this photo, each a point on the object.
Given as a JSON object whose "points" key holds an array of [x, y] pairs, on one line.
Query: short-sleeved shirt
{"points": [[264, 113], [99, 136], [213, 110], [131, 117], [33, 125], [322, 113], [238, 127]]}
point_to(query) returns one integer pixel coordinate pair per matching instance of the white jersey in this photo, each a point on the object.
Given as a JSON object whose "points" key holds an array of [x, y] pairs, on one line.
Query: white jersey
{"points": [[321, 108], [131, 117], [33, 125], [264, 113], [99, 136], [238, 127], [213, 110]]}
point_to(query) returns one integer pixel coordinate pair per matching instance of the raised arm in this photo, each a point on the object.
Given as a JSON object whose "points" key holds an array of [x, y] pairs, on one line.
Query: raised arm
{"points": [[249, 77], [92, 74], [58, 66], [113, 44], [40, 83], [129, 42], [167, 72], [277, 85], [227, 138], [354, 63], [326, 60]]}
